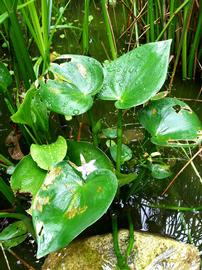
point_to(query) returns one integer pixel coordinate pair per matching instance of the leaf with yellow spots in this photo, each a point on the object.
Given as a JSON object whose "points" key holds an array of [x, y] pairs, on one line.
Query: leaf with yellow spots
{"points": [[76, 81], [171, 122], [68, 204]]}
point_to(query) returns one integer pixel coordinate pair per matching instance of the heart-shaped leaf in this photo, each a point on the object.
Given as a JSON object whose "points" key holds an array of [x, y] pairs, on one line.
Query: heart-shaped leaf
{"points": [[74, 84], [49, 154], [84, 72], [89, 152], [5, 77], [64, 98], [126, 153], [110, 133], [66, 205], [27, 177], [171, 122], [138, 75], [160, 171], [32, 112]]}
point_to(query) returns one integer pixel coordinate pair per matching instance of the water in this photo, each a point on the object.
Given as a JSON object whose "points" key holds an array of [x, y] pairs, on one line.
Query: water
{"points": [[186, 190]]}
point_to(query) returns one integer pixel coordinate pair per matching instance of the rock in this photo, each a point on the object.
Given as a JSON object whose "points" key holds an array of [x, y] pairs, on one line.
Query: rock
{"points": [[151, 252]]}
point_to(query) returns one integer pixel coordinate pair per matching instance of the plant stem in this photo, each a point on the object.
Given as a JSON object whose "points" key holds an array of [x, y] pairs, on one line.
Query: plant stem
{"points": [[5, 257], [171, 28], [6, 161], [184, 46], [109, 29], [85, 36], [131, 235], [19, 47], [151, 19], [157, 16], [119, 139], [195, 43], [93, 126], [171, 18], [176, 208], [186, 23], [121, 260], [23, 262], [6, 190], [30, 134], [12, 215], [135, 24]]}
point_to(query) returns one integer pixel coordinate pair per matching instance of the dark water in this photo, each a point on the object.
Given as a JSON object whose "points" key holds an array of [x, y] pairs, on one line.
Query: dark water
{"points": [[185, 192]]}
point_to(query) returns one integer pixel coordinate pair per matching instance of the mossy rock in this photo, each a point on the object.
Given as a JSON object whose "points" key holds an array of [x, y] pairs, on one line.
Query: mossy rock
{"points": [[150, 252]]}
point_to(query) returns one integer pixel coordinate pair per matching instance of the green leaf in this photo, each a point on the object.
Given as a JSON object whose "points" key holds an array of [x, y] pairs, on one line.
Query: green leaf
{"points": [[32, 112], [47, 155], [6, 191], [64, 98], [14, 242], [126, 153], [125, 179], [27, 177], [74, 84], [14, 234], [5, 77], [89, 152], [84, 72], [110, 132], [66, 205], [171, 122], [160, 171], [135, 77]]}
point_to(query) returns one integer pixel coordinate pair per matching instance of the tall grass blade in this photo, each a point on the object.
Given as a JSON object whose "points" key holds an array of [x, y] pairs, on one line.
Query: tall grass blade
{"points": [[187, 16], [195, 44], [85, 36], [151, 19], [109, 29], [172, 17], [6, 191]]}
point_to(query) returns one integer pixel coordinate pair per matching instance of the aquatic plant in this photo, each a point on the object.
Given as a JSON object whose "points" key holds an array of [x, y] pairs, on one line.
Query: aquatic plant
{"points": [[71, 183]]}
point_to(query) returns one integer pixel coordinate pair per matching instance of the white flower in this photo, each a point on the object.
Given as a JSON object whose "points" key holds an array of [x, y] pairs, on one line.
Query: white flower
{"points": [[86, 167]]}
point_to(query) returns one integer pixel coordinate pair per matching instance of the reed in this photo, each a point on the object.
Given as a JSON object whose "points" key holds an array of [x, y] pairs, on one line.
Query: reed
{"points": [[19, 48], [109, 29], [195, 44], [159, 20], [85, 36]]}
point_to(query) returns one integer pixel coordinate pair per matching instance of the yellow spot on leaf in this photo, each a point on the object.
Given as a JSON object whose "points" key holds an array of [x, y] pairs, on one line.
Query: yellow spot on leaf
{"points": [[51, 176], [154, 111], [40, 202], [76, 211], [99, 189]]}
